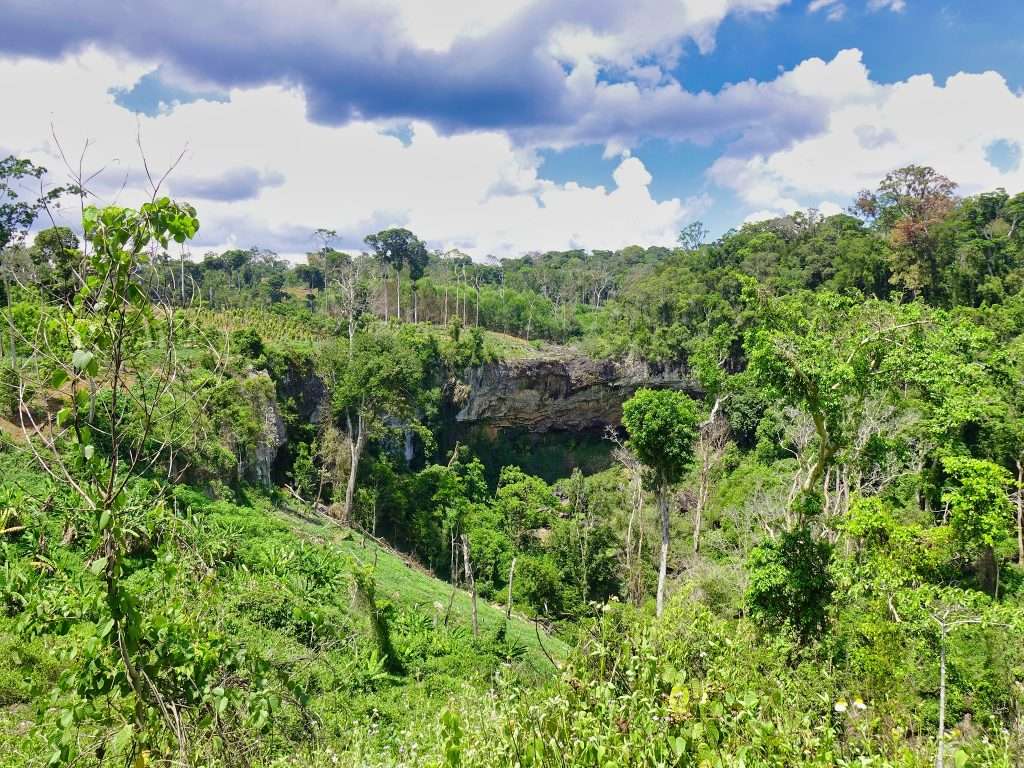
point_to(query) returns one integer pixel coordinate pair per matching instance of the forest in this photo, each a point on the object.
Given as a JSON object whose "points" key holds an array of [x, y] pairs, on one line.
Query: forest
{"points": [[242, 521]]}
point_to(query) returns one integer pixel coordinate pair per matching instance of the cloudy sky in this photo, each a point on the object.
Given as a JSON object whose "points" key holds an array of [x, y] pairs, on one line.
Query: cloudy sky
{"points": [[505, 127]]}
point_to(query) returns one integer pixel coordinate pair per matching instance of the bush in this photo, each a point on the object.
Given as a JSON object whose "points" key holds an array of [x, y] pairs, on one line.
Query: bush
{"points": [[790, 583]]}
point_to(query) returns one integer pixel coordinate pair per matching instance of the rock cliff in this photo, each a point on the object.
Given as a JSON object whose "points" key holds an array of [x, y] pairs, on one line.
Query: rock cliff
{"points": [[565, 392]]}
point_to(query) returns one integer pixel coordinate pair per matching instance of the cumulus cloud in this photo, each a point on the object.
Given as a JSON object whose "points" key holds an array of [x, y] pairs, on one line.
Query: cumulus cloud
{"points": [[477, 191], [873, 128], [538, 70]]}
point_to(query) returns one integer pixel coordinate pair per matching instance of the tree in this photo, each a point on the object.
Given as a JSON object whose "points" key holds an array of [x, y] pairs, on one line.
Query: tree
{"points": [[125, 409], [662, 427], [790, 584], [347, 274], [379, 378], [397, 247], [910, 205], [980, 512], [826, 355], [17, 214], [693, 236], [58, 260]]}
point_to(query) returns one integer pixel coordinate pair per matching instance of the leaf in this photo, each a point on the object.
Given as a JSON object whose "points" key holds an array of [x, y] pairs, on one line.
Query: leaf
{"points": [[679, 745], [97, 565], [104, 519], [88, 452], [58, 378], [123, 738]]}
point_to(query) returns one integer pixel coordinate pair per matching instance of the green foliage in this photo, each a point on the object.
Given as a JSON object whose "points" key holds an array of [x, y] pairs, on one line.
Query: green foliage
{"points": [[979, 503], [790, 583], [662, 426]]}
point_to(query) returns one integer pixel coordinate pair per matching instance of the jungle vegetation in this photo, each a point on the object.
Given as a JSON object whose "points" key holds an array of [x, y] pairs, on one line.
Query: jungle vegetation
{"points": [[233, 534]]}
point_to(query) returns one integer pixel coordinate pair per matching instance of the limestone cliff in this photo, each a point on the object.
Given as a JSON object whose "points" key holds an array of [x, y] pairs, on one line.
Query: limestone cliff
{"points": [[566, 392]]}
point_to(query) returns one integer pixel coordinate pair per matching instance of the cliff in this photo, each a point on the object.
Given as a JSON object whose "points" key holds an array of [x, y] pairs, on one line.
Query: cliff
{"points": [[564, 392]]}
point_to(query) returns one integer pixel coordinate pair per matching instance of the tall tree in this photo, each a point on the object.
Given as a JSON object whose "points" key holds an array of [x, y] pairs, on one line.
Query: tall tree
{"points": [[662, 427], [397, 247], [18, 211], [378, 379], [910, 205]]}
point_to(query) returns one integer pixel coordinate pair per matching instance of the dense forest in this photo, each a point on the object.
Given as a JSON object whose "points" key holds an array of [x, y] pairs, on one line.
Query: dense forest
{"points": [[239, 525]]}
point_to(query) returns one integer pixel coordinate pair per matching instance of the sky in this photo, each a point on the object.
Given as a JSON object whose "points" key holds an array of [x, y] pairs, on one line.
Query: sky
{"points": [[505, 128]]}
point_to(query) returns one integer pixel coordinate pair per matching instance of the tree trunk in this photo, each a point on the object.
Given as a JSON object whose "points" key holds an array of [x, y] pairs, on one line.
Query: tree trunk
{"points": [[663, 562], [356, 444], [988, 570], [940, 756], [446, 304], [415, 304], [398, 294], [10, 322], [511, 574], [698, 514], [1020, 513], [472, 583]]}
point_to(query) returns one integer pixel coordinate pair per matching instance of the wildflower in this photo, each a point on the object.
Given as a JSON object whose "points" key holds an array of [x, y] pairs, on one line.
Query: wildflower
{"points": [[840, 706]]}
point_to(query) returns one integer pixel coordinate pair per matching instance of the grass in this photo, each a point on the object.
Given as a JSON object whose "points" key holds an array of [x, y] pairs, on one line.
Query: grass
{"points": [[410, 586]]}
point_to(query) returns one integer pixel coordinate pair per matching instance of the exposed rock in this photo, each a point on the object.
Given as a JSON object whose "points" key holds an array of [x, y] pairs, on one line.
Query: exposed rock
{"points": [[272, 437], [305, 389], [256, 460], [567, 392]]}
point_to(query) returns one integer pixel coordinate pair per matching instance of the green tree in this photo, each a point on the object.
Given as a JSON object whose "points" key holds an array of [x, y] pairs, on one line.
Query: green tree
{"points": [[790, 583], [380, 378], [910, 206], [980, 512], [398, 247], [59, 262], [18, 212], [662, 427]]}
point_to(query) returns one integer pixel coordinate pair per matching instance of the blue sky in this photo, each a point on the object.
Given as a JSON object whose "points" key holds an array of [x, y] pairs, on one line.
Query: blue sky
{"points": [[504, 128]]}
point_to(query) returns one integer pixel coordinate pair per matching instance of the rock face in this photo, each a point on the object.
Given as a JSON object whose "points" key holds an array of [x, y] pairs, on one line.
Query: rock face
{"points": [[272, 437], [569, 393], [305, 389]]}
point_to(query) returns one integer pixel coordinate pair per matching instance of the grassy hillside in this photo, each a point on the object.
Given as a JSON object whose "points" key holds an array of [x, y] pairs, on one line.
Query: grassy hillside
{"points": [[268, 587]]}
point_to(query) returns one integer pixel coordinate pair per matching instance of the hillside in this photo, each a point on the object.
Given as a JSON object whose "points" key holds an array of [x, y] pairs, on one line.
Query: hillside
{"points": [[265, 579]]}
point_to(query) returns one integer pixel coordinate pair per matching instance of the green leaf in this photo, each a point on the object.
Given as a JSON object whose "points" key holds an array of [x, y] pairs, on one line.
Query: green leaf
{"points": [[105, 519], [679, 745], [58, 378], [81, 358], [97, 565], [123, 738]]}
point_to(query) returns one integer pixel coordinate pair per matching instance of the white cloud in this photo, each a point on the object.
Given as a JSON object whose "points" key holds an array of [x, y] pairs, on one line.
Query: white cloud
{"points": [[476, 191], [873, 128], [897, 6], [835, 10]]}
